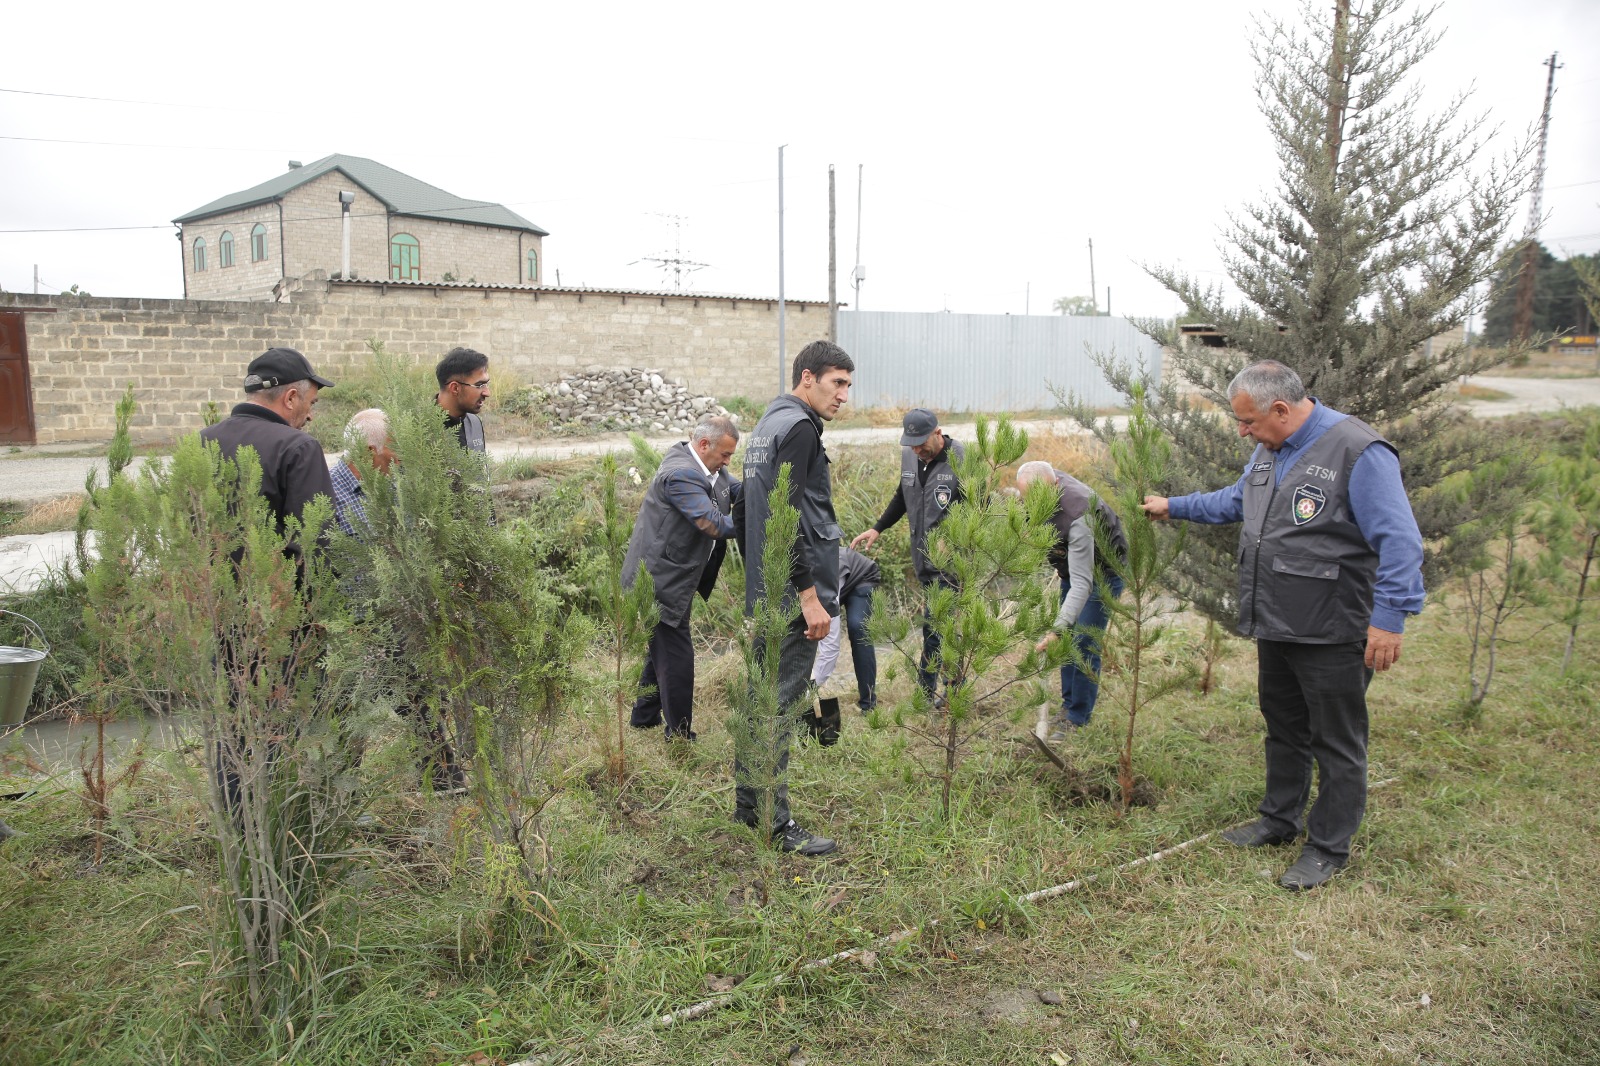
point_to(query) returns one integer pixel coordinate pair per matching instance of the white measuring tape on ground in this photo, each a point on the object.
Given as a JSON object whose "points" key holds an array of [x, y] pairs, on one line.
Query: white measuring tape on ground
{"points": [[706, 1006]]}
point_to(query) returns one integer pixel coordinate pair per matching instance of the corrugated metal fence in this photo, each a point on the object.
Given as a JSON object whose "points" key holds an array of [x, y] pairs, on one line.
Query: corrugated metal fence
{"points": [[986, 362]]}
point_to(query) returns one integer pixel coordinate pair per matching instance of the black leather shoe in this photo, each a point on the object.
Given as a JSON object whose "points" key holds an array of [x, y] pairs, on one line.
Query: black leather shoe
{"points": [[645, 725], [1311, 869], [1255, 835], [688, 736], [792, 838]]}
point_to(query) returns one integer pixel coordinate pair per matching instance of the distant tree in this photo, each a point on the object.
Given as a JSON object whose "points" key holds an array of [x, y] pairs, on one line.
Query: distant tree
{"points": [[1076, 305], [75, 291], [1558, 298], [1384, 220], [1587, 270]]}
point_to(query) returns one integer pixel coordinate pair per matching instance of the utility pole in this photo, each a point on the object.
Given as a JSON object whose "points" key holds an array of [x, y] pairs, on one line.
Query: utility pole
{"points": [[833, 265], [36, 279], [859, 274], [1522, 323], [1094, 303], [783, 311]]}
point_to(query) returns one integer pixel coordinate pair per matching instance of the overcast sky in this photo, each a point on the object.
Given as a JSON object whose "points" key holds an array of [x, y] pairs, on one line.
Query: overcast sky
{"points": [[998, 139]]}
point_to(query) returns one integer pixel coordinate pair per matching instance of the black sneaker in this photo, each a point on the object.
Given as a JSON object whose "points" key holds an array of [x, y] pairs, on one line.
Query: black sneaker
{"points": [[1311, 869], [792, 838], [1256, 834]]}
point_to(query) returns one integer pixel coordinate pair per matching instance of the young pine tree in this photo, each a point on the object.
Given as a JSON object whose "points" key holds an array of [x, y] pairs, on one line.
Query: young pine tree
{"points": [[629, 613], [993, 546], [763, 730], [1139, 462], [465, 625], [203, 612]]}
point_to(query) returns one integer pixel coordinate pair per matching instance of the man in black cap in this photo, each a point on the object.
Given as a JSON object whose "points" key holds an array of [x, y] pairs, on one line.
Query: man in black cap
{"points": [[282, 389], [928, 486]]}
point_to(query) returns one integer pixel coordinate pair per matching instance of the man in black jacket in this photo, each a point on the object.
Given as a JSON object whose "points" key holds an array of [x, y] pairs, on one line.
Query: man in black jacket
{"points": [[928, 486], [282, 390], [681, 537], [790, 432]]}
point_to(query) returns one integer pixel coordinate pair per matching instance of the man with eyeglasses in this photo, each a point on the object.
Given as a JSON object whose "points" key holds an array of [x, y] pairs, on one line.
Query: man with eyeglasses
{"points": [[463, 388]]}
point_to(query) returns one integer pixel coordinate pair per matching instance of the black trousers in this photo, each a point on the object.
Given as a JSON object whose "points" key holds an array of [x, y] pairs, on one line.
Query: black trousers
{"points": [[1314, 701], [669, 670], [796, 656], [927, 675]]}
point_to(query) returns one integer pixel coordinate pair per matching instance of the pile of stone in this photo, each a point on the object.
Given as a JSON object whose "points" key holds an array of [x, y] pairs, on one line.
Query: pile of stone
{"points": [[632, 399]]}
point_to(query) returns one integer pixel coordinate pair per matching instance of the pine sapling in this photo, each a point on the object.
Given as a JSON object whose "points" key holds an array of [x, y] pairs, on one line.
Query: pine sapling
{"points": [[991, 545], [1140, 462], [764, 728], [630, 613]]}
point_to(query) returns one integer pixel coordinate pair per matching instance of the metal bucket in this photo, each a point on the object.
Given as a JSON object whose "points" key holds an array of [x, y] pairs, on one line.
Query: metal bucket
{"points": [[19, 669]]}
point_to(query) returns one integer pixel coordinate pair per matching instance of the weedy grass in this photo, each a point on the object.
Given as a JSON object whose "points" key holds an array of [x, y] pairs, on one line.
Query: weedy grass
{"points": [[1470, 886]]}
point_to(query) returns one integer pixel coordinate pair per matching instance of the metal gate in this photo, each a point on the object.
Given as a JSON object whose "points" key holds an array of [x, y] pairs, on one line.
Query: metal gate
{"points": [[988, 362], [16, 392]]}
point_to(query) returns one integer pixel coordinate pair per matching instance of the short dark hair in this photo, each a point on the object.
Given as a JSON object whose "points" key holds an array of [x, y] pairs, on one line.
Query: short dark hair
{"points": [[459, 361], [817, 357]]}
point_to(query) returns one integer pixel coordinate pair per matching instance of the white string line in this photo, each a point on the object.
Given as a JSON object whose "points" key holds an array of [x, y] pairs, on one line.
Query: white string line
{"points": [[706, 1006]]}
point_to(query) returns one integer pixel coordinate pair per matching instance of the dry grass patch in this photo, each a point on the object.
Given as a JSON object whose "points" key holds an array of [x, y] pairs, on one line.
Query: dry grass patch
{"points": [[46, 516]]}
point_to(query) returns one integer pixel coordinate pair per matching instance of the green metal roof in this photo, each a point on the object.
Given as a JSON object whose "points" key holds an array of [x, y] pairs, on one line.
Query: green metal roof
{"points": [[401, 193]]}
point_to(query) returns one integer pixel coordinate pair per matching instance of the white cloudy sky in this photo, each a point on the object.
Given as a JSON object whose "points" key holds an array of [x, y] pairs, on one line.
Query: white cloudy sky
{"points": [[997, 138]]}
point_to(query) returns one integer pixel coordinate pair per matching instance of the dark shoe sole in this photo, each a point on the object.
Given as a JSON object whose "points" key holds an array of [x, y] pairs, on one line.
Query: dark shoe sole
{"points": [[1243, 838]]}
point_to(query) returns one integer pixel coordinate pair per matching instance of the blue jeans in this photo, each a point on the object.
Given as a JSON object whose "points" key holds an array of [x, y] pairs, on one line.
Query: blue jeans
{"points": [[1080, 690], [857, 609]]}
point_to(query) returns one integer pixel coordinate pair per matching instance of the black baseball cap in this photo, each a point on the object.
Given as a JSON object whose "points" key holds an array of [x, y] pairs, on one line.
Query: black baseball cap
{"points": [[919, 426], [280, 366]]}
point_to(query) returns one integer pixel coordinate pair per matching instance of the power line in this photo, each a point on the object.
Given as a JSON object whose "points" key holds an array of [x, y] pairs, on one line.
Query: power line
{"points": [[128, 144], [141, 103]]}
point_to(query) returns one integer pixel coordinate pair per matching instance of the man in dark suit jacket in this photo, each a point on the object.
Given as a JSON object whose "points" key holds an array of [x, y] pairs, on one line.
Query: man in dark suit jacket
{"points": [[681, 537]]}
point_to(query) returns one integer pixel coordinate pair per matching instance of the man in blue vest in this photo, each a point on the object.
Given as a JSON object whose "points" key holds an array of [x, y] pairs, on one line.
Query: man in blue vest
{"points": [[1330, 564], [928, 488], [681, 537], [790, 432]]}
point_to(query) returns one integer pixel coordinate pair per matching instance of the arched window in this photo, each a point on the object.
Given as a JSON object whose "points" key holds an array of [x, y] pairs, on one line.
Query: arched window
{"points": [[225, 249], [199, 255], [405, 258], [533, 266], [258, 243]]}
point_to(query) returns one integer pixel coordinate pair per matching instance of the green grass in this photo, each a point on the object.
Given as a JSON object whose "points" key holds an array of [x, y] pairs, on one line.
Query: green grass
{"points": [[1471, 884]]}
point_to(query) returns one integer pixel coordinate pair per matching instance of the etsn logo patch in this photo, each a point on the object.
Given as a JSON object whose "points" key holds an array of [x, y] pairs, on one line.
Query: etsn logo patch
{"points": [[1308, 503], [941, 496]]}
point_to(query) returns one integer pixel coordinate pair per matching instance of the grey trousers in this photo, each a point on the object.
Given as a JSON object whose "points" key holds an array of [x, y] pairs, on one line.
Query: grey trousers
{"points": [[796, 656], [1314, 700]]}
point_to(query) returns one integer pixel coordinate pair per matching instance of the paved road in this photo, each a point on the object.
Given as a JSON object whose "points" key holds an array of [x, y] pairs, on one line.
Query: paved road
{"points": [[33, 477]]}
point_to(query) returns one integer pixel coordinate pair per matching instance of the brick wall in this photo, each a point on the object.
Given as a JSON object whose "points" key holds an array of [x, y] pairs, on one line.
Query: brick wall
{"points": [[180, 354]]}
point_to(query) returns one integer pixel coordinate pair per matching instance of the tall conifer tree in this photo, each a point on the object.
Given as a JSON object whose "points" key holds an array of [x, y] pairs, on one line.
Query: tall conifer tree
{"points": [[1384, 220]]}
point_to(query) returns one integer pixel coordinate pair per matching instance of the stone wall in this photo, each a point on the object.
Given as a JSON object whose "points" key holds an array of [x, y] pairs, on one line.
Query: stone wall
{"points": [[181, 354]]}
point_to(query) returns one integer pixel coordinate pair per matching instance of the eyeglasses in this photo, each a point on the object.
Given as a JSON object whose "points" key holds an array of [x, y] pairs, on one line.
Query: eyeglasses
{"points": [[479, 385]]}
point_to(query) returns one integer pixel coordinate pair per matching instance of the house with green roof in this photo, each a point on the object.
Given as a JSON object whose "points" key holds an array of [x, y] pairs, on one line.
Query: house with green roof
{"points": [[392, 227]]}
